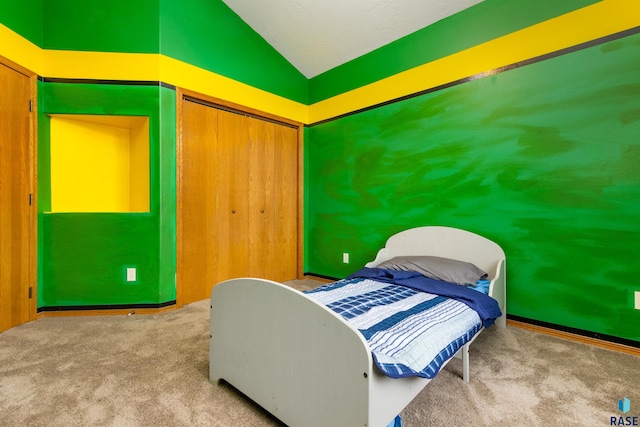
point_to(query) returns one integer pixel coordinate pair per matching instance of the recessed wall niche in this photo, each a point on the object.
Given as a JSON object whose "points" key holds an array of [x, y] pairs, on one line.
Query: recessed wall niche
{"points": [[99, 163]]}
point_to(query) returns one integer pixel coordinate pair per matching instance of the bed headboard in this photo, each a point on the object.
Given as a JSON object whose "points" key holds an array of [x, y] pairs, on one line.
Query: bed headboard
{"points": [[444, 242]]}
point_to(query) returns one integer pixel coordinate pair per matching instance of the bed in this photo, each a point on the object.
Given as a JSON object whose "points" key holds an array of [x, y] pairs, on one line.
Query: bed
{"points": [[305, 363]]}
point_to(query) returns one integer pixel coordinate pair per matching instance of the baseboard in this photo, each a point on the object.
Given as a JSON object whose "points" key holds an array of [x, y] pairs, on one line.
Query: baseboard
{"points": [[320, 277], [105, 310], [630, 347]]}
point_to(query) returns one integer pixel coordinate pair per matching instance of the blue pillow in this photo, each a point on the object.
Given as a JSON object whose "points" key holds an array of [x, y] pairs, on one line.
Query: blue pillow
{"points": [[481, 285]]}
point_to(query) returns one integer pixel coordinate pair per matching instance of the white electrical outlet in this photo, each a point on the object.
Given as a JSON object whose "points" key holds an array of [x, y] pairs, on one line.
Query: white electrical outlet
{"points": [[131, 274], [345, 258], [636, 305]]}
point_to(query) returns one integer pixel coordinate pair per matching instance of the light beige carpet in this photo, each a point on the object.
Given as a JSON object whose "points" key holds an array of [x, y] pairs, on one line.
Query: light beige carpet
{"points": [[152, 370]]}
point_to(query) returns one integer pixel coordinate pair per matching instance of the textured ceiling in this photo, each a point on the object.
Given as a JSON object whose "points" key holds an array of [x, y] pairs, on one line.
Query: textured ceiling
{"points": [[318, 35]]}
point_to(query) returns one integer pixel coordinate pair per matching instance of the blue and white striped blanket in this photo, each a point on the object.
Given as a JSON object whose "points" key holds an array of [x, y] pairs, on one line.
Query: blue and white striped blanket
{"points": [[409, 332]]}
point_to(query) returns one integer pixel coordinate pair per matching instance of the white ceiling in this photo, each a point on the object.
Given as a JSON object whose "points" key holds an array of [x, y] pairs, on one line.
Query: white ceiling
{"points": [[318, 35]]}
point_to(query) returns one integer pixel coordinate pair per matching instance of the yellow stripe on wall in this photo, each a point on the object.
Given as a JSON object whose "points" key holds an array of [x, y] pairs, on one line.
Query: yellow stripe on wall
{"points": [[583, 25], [190, 77], [155, 67], [65, 64], [69, 64], [20, 50]]}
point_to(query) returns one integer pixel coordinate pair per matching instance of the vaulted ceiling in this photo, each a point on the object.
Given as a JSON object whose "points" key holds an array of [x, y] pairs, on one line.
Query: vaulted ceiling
{"points": [[318, 35]]}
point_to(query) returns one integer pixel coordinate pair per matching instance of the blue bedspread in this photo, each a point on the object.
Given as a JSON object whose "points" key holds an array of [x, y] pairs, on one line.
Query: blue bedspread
{"points": [[410, 331], [486, 307]]}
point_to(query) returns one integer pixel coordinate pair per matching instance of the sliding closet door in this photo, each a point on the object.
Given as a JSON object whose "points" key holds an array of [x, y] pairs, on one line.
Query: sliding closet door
{"points": [[273, 201], [232, 195], [261, 198], [285, 204], [198, 250], [238, 198]]}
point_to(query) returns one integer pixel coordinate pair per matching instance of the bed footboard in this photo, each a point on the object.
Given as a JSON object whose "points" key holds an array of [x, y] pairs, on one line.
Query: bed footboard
{"points": [[295, 358]]}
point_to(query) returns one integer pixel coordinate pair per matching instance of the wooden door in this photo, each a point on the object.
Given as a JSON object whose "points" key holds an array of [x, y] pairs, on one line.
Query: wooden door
{"points": [[273, 200], [198, 229], [232, 195], [16, 250], [262, 213], [285, 204]]}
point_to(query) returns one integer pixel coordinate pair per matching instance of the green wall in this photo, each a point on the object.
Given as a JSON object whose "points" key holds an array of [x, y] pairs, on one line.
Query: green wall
{"points": [[208, 34], [23, 17], [83, 256], [542, 159], [106, 26]]}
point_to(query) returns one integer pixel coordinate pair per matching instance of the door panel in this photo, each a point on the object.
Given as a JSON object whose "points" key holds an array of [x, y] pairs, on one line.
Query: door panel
{"points": [[286, 203], [233, 200], [198, 249], [15, 212], [261, 197]]}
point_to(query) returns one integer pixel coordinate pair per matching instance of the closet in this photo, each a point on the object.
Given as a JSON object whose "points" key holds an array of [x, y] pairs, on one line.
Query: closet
{"points": [[238, 197]]}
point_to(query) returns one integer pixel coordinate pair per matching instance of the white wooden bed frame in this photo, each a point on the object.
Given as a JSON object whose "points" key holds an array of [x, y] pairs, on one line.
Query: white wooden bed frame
{"points": [[305, 364]]}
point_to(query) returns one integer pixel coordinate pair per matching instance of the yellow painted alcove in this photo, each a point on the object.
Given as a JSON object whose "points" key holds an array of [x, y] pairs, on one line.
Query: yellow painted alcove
{"points": [[99, 163]]}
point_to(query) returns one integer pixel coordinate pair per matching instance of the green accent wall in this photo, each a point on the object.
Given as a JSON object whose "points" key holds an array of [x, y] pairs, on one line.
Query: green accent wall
{"points": [[483, 22], [106, 26], [208, 34], [167, 208], [23, 17], [82, 257], [543, 159]]}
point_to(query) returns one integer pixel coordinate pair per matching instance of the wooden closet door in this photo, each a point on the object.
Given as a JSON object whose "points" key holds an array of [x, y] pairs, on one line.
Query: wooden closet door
{"points": [[262, 210], [232, 193], [15, 209], [238, 201], [273, 200], [198, 251], [286, 203]]}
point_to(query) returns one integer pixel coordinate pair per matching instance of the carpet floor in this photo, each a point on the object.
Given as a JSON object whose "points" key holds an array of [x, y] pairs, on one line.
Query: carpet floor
{"points": [[152, 370]]}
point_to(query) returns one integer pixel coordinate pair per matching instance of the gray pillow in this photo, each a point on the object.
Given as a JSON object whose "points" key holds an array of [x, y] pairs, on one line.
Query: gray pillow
{"points": [[445, 269]]}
